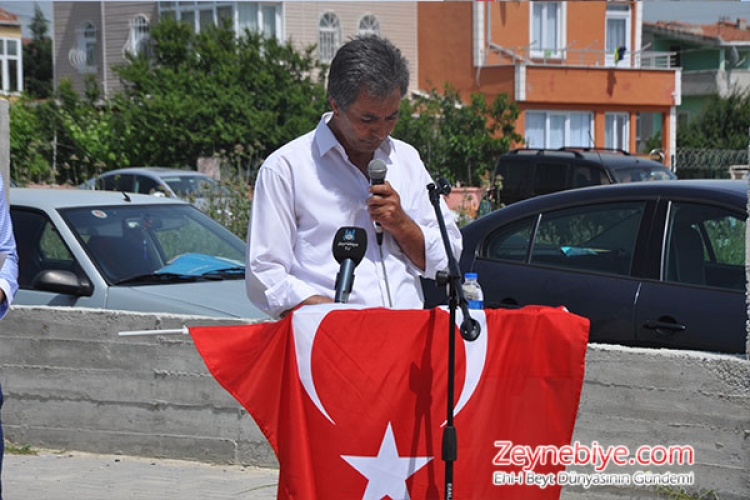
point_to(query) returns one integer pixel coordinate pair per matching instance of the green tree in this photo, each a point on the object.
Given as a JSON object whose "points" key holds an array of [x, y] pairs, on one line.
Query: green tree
{"points": [[458, 141], [212, 93], [65, 140], [723, 124], [37, 58], [30, 144]]}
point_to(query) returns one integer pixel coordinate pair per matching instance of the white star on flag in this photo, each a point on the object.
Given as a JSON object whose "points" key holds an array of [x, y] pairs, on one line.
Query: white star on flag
{"points": [[387, 472]]}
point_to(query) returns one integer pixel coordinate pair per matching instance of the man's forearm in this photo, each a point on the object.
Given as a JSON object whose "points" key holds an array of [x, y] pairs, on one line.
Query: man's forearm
{"points": [[411, 240]]}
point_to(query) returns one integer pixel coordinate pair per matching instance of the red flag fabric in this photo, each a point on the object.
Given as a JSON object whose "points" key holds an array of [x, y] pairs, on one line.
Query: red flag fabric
{"points": [[354, 401]]}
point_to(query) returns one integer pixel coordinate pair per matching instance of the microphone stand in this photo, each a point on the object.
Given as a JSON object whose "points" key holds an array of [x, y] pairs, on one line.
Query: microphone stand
{"points": [[469, 330]]}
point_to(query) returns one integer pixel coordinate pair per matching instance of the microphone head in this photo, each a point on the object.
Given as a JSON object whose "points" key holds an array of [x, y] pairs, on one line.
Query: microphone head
{"points": [[377, 169], [350, 243]]}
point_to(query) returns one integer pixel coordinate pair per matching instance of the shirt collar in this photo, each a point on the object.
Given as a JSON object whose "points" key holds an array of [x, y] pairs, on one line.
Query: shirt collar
{"points": [[326, 141]]}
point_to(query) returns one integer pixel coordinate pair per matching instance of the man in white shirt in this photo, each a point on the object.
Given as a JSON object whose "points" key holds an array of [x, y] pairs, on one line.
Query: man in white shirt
{"points": [[318, 183]]}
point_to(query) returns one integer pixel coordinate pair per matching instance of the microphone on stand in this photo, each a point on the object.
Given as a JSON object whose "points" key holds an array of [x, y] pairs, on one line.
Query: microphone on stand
{"points": [[349, 247], [377, 169]]}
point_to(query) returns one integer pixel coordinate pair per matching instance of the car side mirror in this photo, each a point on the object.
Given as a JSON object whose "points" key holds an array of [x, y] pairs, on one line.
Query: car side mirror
{"points": [[60, 281]]}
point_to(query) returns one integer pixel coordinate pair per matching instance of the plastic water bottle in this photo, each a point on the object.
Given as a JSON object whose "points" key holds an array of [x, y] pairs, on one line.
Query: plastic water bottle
{"points": [[473, 292]]}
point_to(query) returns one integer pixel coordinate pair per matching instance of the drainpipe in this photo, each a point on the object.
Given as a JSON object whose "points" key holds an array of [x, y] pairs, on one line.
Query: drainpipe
{"points": [[479, 37], [105, 86]]}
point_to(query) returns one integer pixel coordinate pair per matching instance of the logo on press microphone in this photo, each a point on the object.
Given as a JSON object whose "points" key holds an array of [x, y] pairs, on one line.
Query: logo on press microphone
{"points": [[349, 243], [348, 240]]}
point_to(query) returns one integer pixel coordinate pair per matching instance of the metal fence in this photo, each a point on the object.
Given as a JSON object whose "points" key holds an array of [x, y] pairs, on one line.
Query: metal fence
{"points": [[708, 163]]}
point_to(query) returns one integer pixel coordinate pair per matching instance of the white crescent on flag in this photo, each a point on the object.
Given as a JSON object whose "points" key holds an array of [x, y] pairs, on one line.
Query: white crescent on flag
{"points": [[476, 357], [307, 320]]}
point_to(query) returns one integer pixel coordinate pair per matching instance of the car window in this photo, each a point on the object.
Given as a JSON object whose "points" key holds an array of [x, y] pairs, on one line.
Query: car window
{"points": [[511, 242], [40, 247], [138, 240], [599, 238], [116, 182], [644, 174], [550, 177], [515, 180], [186, 185], [705, 246], [198, 238], [146, 185], [584, 175]]}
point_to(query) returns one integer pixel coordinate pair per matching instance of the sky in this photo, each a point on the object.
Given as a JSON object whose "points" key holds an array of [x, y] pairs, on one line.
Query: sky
{"points": [[25, 9], [695, 12]]}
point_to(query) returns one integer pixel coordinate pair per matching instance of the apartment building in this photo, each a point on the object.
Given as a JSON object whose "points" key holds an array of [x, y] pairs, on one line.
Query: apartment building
{"points": [[93, 36], [576, 69], [11, 54], [714, 57]]}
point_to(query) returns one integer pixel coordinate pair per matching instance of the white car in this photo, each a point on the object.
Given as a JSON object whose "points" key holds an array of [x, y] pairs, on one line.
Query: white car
{"points": [[159, 181], [123, 251]]}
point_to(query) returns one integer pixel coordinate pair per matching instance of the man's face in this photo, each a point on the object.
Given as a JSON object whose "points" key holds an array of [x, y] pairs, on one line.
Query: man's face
{"points": [[367, 122]]}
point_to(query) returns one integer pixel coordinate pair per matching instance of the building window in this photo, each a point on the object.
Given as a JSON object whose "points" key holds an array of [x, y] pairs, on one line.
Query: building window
{"points": [[677, 60], [263, 17], [617, 35], [11, 71], [551, 130], [329, 37], [616, 131], [547, 29], [139, 39], [259, 18], [369, 25], [89, 44], [84, 55]]}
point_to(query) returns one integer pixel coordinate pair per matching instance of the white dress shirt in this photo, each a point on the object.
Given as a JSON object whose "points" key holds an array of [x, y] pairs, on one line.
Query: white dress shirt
{"points": [[304, 193]]}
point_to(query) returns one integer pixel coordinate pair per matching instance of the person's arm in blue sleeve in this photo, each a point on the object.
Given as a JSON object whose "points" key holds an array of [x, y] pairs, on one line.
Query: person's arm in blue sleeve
{"points": [[9, 269]]}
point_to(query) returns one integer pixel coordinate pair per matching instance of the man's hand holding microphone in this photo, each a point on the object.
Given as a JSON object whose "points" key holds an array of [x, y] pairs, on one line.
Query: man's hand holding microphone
{"points": [[386, 212]]}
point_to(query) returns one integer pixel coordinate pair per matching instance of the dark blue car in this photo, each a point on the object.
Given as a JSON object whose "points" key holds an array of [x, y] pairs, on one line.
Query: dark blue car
{"points": [[651, 264]]}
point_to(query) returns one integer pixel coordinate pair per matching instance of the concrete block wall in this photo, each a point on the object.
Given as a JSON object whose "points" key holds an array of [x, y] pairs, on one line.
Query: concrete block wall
{"points": [[636, 397], [71, 382]]}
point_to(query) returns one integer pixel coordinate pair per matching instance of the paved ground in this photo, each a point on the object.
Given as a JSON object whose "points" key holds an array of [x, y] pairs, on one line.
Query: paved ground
{"points": [[82, 476]]}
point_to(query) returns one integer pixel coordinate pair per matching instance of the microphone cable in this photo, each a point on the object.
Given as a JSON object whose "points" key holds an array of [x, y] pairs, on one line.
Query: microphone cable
{"points": [[385, 276], [376, 171]]}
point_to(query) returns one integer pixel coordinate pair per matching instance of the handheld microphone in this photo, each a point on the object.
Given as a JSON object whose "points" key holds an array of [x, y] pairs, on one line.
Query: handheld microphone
{"points": [[377, 169], [349, 247]]}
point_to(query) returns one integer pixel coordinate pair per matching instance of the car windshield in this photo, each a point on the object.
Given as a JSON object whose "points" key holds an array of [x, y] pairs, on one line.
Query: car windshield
{"points": [[156, 243], [189, 185]]}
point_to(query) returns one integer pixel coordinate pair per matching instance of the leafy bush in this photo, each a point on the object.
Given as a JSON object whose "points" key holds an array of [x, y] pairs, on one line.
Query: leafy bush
{"points": [[458, 141]]}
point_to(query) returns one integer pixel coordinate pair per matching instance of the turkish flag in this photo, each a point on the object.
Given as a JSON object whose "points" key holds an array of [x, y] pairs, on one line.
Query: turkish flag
{"points": [[354, 401]]}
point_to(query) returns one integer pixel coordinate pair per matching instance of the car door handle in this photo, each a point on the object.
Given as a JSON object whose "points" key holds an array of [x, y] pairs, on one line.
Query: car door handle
{"points": [[664, 327]]}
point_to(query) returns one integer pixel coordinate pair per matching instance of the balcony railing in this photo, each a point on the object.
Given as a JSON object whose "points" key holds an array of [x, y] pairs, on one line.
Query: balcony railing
{"points": [[640, 59]]}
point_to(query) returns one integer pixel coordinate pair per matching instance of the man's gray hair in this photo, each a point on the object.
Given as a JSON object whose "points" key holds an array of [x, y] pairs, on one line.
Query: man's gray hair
{"points": [[369, 63]]}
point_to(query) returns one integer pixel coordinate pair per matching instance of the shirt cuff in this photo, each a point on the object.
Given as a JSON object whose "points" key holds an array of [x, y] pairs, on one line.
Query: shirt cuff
{"points": [[434, 251], [288, 294], [5, 286]]}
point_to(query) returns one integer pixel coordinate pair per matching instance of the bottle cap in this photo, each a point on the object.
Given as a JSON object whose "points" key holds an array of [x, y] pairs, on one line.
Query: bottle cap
{"points": [[470, 276]]}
